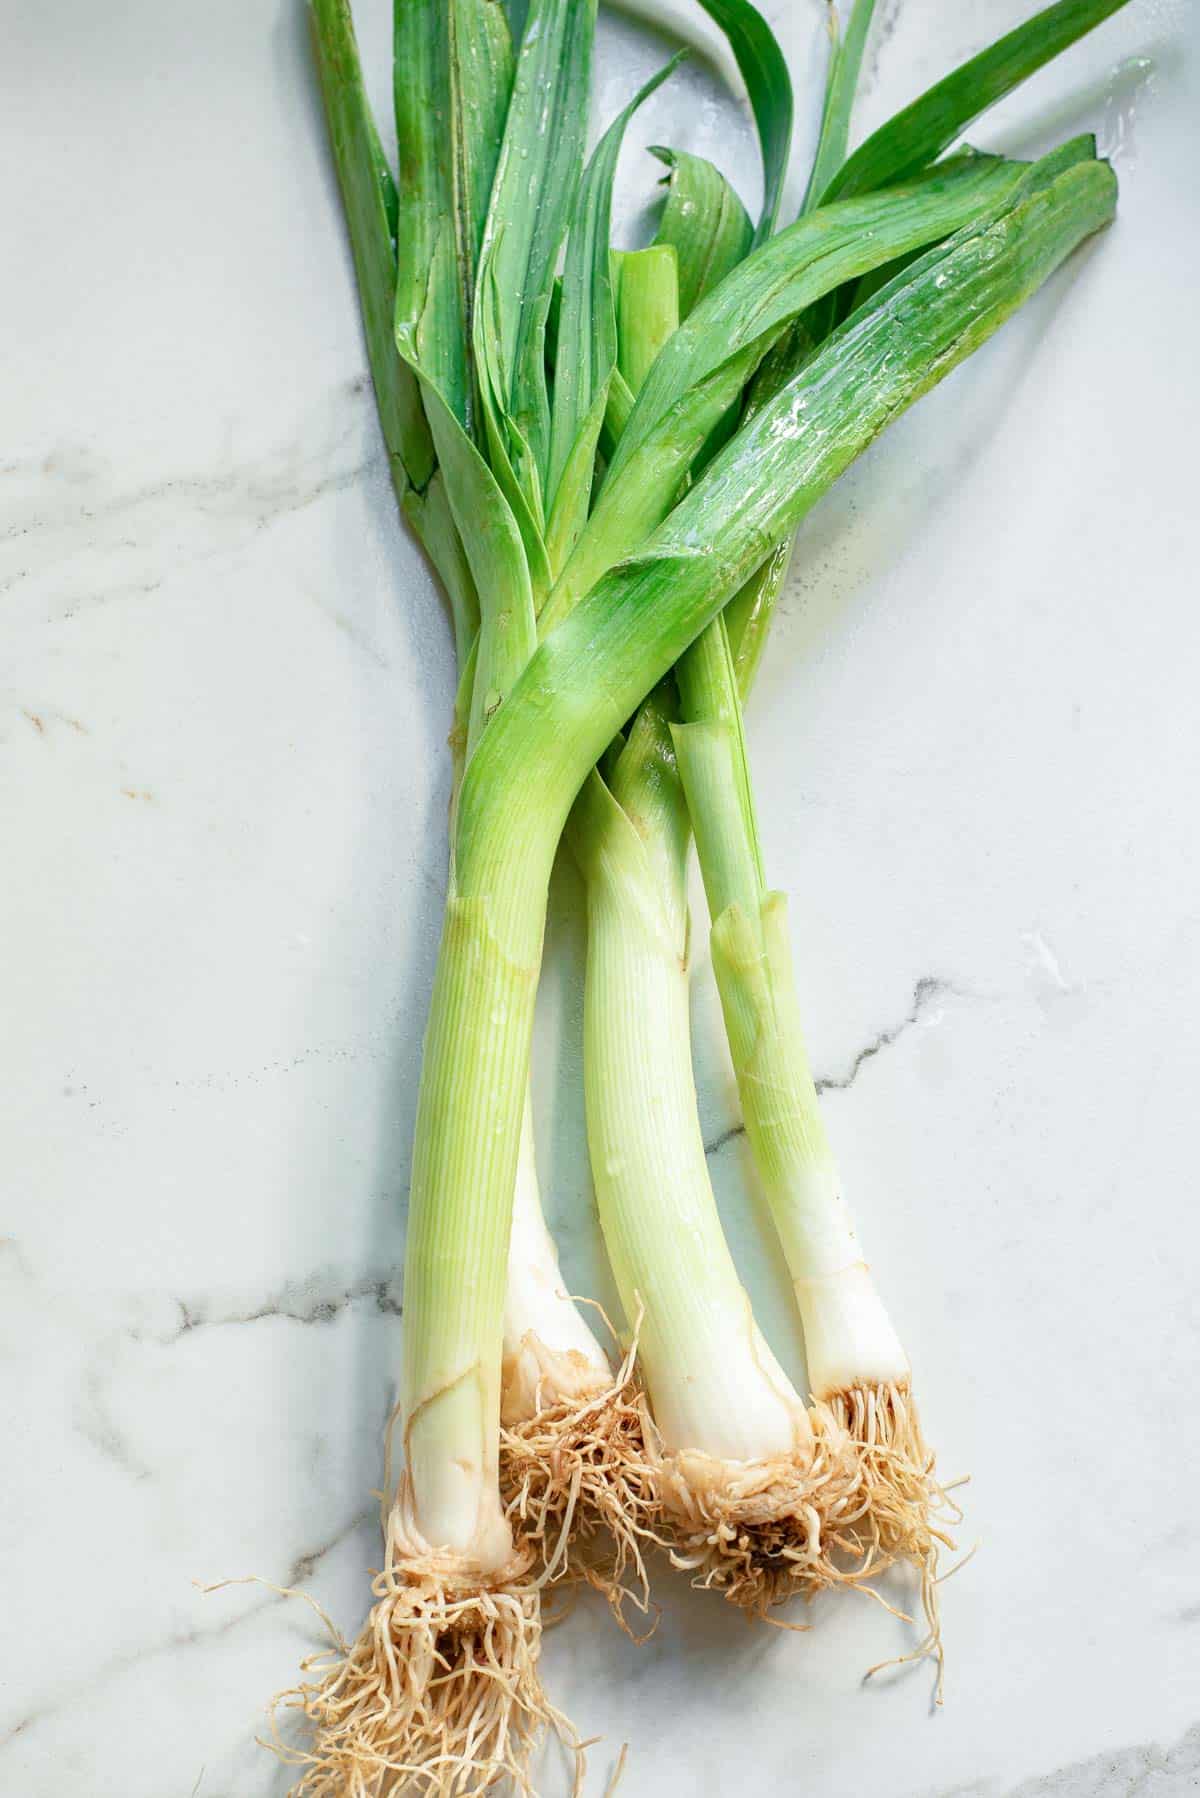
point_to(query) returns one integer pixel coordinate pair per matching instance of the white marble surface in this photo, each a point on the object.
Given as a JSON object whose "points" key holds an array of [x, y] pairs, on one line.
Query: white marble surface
{"points": [[225, 690]]}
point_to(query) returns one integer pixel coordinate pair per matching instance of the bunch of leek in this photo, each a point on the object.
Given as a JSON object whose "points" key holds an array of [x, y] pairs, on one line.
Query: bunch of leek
{"points": [[605, 466]]}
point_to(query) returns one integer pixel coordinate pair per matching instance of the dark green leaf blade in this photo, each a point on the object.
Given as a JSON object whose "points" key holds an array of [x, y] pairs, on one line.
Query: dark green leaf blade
{"points": [[431, 298], [368, 197], [845, 63], [764, 70], [914, 137], [586, 342], [769, 85], [481, 77]]}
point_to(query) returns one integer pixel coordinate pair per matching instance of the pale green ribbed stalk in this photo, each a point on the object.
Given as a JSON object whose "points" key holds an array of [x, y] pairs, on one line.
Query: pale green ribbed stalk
{"points": [[472, 1086], [714, 1385], [848, 1337]]}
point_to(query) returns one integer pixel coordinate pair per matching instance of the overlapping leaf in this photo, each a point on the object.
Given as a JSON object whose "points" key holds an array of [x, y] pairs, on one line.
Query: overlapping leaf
{"points": [[451, 69], [704, 221], [371, 205], [586, 341], [369, 199], [588, 676], [533, 196], [703, 369]]}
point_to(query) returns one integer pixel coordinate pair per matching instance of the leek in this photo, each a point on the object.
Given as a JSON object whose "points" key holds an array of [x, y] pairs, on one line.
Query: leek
{"points": [[569, 610], [552, 1364], [858, 1371]]}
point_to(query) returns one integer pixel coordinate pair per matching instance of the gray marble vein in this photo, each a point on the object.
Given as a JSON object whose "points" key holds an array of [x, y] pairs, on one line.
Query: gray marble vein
{"points": [[300, 1570], [883, 26], [94, 1419], [1146, 1770], [70, 504], [299, 1301], [928, 990]]}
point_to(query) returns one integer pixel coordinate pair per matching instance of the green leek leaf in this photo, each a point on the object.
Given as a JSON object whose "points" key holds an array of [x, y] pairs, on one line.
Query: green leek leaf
{"points": [[764, 69], [586, 340], [369, 200], [481, 78], [437, 241], [431, 291], [704, 367], [704, 221], [590, 674], [537, 176], [914, 137], [845, 62], [501, 432], [492, 542]]}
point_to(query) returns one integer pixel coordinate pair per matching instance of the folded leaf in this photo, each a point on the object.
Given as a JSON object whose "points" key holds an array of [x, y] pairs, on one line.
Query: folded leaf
{"points": [[431, 288], [481, 78], [369, 200], [704, 221], [492, 541]]}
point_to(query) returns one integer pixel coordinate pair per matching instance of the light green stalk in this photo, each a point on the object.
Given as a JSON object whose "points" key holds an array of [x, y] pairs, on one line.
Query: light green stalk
{"points": [[715, 1387], [848, 1337]]}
